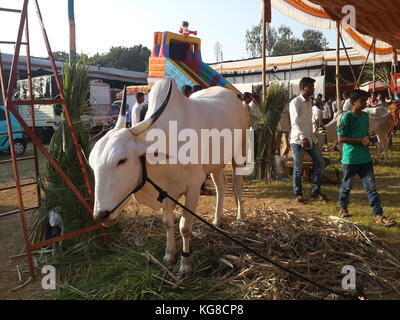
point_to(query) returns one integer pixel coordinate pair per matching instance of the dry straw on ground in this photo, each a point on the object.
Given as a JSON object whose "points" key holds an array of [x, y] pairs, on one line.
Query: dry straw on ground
{"points": [[313, 246]]}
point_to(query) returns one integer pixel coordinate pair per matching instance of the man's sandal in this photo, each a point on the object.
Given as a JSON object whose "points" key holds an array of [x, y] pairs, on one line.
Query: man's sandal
{"points": [[343, 213], [319, 197], [384, 221], [301, 200]]}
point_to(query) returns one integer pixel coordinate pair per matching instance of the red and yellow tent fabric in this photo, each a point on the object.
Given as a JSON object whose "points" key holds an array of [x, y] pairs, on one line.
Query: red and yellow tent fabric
{"points": [[373, 19]]}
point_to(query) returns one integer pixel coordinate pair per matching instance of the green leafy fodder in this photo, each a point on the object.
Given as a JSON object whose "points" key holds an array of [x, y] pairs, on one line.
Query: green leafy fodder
{"points": [[75, 87], [126, 274], [264, 120]]}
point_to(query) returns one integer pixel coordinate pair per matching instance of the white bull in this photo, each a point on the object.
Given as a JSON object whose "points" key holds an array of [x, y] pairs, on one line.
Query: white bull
{"points": [[115, 160], [380, 123]]}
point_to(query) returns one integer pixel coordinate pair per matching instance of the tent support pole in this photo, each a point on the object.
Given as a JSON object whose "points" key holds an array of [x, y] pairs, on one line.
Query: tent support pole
{"points": [[348, 59], [338, 65], [374, 65], [363, 67], [394, 70], [264, 64]]}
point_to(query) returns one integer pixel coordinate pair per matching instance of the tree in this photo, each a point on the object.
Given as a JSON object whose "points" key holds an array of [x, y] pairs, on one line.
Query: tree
{"points": [[134, 58], [314, 40], [282, 42], [253, 40], [60, 56], [131, 58]]}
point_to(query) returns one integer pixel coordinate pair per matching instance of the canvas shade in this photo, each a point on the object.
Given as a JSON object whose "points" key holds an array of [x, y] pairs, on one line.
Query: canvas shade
{"points": [[373, 19]]}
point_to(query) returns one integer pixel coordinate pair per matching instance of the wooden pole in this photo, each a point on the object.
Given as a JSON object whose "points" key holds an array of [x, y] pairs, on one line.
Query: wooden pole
{"points": [[339, 107], [363, 67], [72, 33], [290, 73], [395, 69], [264, 51], [349, 60], [374, 65]]}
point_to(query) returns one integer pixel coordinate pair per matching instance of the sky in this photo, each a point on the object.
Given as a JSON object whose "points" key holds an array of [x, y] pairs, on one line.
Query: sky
{"points": [[101, 24]]}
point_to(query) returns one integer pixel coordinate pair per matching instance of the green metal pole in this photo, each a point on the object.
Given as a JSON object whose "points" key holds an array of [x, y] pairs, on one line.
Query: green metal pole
{"points": [[72, 34]]}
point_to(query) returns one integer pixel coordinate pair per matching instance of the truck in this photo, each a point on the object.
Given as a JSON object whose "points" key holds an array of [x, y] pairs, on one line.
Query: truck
{"points": [[100, 106], [48, 117]]}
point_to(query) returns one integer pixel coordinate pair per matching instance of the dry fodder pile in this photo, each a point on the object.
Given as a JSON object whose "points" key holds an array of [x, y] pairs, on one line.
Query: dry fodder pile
{"points": [[315, 247]]}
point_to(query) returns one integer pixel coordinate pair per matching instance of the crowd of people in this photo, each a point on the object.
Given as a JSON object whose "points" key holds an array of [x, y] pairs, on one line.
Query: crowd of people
{"points": [[352, 133], [304, 117]]}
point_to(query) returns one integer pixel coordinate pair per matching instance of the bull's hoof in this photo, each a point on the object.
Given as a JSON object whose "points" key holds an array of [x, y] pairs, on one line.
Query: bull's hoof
{"points": [[185, 274], [218, 224], [169, 260], [186, 268], [240, 214]]}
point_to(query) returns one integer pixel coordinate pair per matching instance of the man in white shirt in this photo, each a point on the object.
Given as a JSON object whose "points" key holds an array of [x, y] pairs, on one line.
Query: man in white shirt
{"points": [[137, 108], [316, 116], [346, 102], [317, 122], [303, 139], [327, 113], [334, 105]]}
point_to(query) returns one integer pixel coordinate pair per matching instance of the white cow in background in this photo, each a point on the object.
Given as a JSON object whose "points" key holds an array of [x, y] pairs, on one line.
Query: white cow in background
{"points": [[115, 160], [380, 123]]}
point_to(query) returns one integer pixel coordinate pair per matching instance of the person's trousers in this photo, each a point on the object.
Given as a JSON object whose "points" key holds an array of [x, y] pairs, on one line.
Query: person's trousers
{"points": [[366, 173], [282, 143], [319, 166]]}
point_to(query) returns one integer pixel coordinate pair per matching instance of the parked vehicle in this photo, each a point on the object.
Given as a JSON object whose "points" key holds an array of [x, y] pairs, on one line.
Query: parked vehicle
{"points": [[115, 107], [48, 117], [100, 105], [20, 141]]}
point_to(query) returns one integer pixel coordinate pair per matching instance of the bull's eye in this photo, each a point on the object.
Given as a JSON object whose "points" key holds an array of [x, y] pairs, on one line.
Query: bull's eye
{"points": [[120, 162]]}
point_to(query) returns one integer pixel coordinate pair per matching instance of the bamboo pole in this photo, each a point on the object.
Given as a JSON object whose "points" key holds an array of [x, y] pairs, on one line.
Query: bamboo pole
{"points": [[72, 33], [291, 68], [339, 107], [363, 67], [374, 65], [264, 47], [395, 68], [348, 59]]}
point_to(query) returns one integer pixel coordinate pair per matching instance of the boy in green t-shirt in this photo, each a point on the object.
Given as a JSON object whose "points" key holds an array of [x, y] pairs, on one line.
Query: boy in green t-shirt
{"points": [[356, 159]]}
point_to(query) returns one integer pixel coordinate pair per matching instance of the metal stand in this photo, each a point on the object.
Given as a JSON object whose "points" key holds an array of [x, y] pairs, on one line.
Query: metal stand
{"points": [[9, 105]]}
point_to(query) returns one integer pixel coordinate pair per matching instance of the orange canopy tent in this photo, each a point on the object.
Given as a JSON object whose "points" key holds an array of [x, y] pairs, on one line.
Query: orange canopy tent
{"points": [[373, 19]]}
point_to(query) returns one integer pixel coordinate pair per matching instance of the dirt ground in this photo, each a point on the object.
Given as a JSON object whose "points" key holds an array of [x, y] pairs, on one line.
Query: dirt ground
{"points": [[11, 235], [11, 244]]}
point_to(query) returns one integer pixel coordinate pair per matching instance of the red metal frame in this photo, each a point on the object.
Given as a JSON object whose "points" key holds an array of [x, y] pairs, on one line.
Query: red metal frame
{"points": [[9, 105]]}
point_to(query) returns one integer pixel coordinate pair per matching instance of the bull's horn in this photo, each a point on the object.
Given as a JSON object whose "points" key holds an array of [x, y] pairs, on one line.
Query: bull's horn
{"points": [[145, 124], [121, 123]]}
